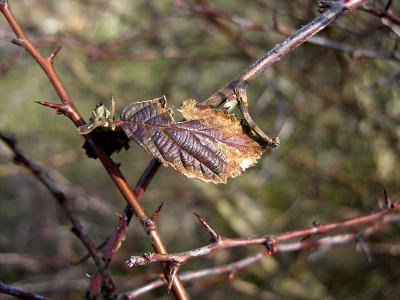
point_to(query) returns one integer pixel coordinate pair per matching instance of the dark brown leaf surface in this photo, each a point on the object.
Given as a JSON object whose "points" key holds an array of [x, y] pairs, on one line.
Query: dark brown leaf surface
{"points": [[210, 145]]}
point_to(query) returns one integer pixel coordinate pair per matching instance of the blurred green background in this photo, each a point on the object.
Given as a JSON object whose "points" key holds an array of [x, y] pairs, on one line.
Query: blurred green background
{"points": [[337, 117]]}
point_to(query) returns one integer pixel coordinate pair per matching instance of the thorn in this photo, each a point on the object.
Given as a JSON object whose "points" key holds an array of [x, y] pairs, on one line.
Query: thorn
{"points": [[157, 212], [61, 108], [215, 237], [174, 270], [53, 54]]}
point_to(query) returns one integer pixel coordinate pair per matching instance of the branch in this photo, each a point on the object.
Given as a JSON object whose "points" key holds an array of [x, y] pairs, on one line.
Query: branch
{"points": [[64, 202], [8, 290], [296, 39], [124, 219], [69, 110], [238, 84], [269, 241], [232, 268], [241, 81]]}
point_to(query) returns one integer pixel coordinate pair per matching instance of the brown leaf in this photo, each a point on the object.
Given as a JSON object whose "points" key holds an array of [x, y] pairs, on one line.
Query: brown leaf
{"points": [[210, 145]]}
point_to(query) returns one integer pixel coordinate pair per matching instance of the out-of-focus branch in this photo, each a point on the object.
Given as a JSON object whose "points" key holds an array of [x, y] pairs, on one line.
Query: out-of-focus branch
{"points": [[235, 38], [104, 49], [245, 24], [67, 107], [387, 16], [5, 289], [269, 241], [64, 202]]}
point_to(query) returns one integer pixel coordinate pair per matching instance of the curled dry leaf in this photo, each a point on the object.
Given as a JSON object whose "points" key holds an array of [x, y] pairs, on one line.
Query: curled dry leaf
{"points": [[210, 145]]}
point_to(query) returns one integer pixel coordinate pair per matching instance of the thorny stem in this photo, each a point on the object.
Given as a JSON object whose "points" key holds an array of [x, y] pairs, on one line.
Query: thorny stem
{"points": [[47, 65], [269, 241], [304, 33], [242, 263], [242, 79], [119, 233]]}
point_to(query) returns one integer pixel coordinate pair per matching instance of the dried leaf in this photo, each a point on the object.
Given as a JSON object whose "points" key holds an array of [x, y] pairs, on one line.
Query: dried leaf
{"points": [[109, 140], [210, 145]]}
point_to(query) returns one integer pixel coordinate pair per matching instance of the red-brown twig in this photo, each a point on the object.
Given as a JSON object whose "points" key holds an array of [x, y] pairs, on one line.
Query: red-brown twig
{"points": [[5, 289], [124, 219], [231, 268], [270, 241], [69, 110], [64, 202]]}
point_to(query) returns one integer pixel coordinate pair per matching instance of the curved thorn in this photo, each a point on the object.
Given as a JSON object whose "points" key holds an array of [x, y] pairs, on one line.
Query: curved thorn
{"points": [[214, 235], [59, 107], [174, 270], [157, 212], [53, 54]]}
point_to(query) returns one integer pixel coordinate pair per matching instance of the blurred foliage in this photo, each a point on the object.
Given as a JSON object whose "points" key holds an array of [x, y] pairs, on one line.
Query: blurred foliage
{"points": [[337, 118]]}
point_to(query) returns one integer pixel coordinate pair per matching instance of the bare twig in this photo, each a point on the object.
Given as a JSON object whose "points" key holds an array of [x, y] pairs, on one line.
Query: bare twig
{"points": [[69, 110], [231, 268], [5, 289], [270, 240]]}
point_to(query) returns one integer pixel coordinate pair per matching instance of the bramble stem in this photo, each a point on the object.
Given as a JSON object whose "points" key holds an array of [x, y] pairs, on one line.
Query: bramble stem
{"points": [[71, 111]]}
